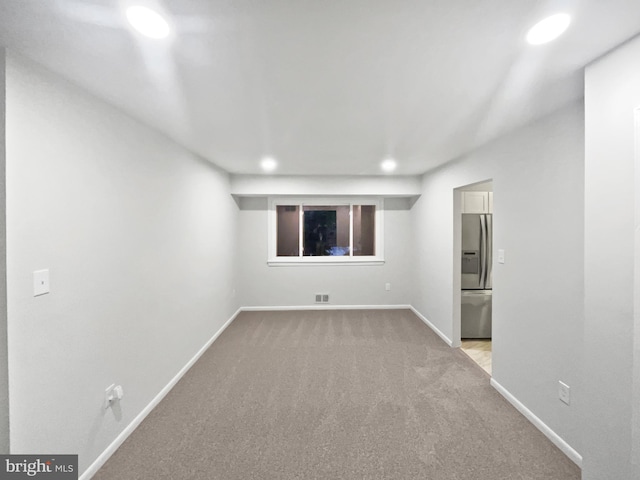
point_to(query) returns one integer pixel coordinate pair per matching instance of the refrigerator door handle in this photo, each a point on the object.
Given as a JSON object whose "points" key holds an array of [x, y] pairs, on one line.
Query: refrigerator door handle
{"points": [[488, 283], [483, 251]]}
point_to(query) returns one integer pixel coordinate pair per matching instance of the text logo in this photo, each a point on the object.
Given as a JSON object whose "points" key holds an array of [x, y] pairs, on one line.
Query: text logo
{"points": [[45, 467]]}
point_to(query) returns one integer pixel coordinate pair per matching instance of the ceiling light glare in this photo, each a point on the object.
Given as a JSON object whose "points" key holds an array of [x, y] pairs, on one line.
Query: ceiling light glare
{"points": [[148, 22], [268, 164], [389, 165], [548, 29]]}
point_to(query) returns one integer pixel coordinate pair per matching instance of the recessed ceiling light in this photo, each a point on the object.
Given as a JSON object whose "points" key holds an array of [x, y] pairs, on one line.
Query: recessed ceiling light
{"points": [[389, 165], [268, 164], [148, 22], [548, 29]]}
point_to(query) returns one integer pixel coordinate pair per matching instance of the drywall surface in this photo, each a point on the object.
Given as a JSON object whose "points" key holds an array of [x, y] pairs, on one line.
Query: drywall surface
{"points": [[4, 369], [538, 186], [265, 185], [612, 92], [138, 236], [264, 285]]}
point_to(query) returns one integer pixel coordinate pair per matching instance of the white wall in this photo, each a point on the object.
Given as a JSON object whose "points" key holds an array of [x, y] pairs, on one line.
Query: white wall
{"points": [[139, 237], [264, 285], [612, 92], [264, 185], [4, 372], [537, 175]]}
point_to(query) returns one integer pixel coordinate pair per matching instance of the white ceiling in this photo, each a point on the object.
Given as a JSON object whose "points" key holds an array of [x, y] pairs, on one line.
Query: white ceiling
{"points": [[327, 87]]}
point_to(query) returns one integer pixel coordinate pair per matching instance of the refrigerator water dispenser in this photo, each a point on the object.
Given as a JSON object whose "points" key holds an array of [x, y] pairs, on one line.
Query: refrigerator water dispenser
{"points": [[471, 262]]}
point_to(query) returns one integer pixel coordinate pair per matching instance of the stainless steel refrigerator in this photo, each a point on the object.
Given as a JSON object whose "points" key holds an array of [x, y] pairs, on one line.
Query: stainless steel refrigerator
{"points": [[477, 245]]}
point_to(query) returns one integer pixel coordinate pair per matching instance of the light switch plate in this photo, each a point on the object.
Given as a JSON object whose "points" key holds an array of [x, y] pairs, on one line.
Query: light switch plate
{"points": [[40, 282], [500, 256], [564, 392]]}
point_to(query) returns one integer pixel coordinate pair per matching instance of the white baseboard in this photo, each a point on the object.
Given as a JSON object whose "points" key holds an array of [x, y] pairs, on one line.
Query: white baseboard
{"points": [[573, 455], [325, 306], [432, 326], [110, 450]]}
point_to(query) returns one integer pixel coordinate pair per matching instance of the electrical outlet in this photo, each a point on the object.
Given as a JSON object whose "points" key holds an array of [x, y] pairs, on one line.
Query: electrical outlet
{"points": [[40, 282], [112, 394], [387, 286], [564, 392], [108, 395]]}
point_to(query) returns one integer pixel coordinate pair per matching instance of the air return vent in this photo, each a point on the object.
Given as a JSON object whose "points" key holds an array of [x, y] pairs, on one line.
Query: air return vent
{"points": [[322, 298]]}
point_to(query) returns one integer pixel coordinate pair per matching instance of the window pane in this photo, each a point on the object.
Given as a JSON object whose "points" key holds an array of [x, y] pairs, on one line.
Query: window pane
{"points": [[326, 230], [364, 231], [288, 231]]}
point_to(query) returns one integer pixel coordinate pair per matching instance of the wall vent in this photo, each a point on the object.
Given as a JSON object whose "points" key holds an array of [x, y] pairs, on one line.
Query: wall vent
{"points": [[322, 298]]}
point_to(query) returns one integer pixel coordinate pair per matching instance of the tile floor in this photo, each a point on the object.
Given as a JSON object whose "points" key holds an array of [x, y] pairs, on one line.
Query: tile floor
{"points": [[480, 352]]}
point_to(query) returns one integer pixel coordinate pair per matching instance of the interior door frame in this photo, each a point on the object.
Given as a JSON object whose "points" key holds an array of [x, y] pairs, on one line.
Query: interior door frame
{"points": [[457, 268], [635, 423]]}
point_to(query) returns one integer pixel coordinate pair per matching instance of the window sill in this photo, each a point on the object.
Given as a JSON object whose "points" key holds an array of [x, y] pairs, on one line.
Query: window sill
{"points": [[323, 261]]}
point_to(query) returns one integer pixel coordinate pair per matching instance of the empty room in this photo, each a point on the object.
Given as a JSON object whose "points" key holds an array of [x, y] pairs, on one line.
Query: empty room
{"points": [[360, 239]]}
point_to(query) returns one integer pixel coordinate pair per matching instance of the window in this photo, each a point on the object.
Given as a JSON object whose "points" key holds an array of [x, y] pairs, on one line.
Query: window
{"points": [[303, 231]]}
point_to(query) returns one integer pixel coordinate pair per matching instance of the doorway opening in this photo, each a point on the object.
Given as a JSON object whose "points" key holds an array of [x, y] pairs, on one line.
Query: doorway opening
{"points": [[473, 272]]}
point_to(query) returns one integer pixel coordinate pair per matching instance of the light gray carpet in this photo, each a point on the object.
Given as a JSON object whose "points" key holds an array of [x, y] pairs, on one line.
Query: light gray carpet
{"points": [[335, 395]]}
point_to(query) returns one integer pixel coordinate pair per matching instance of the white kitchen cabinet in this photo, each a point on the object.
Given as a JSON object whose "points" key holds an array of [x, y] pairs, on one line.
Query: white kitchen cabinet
{"points": [[475, 202]]}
